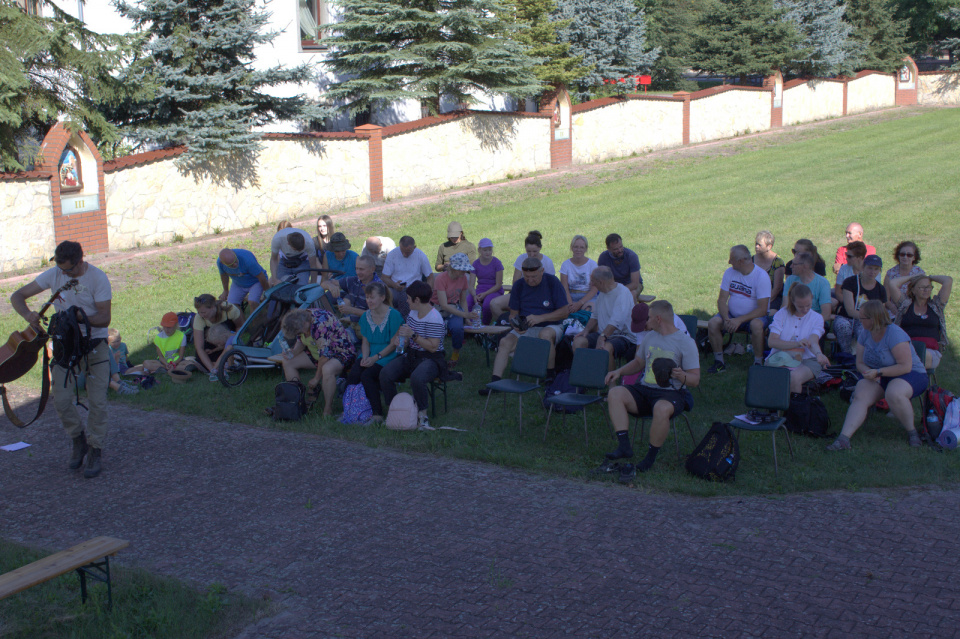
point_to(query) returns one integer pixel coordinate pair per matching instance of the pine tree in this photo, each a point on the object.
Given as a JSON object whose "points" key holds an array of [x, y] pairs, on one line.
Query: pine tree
{"points": [[52, 67], [671, 25], [882, 36], [827, 47], [610, 35], [952, 43], [389, 50], [208, 96], [538, 32], [744, 37]]}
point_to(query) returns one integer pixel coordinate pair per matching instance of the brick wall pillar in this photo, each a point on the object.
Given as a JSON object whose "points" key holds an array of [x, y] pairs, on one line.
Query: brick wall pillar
{"points": [[79, 214], [846, 85], [686, 114], [374, 137], [906, 79], [556, 104], [774, 82]]}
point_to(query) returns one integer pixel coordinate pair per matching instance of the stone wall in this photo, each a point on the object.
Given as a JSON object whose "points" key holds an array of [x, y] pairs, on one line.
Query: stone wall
{"points": [[812, 100], [152, 202], [940, 88], [478, 148], [870, 92], [727, 113], [26, 224], [626, 126]]}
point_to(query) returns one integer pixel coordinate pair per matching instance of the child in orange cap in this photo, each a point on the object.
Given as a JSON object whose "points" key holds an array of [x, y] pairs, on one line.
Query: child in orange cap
{"points": [[170, 343]]}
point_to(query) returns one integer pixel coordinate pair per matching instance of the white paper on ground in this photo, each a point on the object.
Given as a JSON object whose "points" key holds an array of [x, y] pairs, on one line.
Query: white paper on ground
{"points": [[12, 447]]}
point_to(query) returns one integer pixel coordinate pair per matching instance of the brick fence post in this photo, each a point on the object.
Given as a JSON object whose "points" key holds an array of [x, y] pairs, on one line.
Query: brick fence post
{"points": [[774, 82], [686, 114], [374, 137], [906, 82]]}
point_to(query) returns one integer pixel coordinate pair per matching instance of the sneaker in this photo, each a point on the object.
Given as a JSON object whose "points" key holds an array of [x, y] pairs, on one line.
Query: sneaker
{"points": [[840, 444], [718, 367], [127, 389], [607, 468], [214, 377], [619, 453], [423, 422], [915, 439], [627, 473]]}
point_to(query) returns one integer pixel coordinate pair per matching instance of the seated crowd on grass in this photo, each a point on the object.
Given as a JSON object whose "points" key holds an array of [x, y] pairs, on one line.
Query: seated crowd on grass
{"points": [[399, 309]]}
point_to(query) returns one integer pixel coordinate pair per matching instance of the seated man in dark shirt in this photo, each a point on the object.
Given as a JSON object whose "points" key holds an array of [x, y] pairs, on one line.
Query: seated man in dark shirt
{"points": [[541, 300], [623, 262]]}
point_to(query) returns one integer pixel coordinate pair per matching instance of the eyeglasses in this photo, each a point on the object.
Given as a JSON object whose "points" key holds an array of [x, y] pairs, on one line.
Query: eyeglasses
{"points": [[67, 270], [907, 254]]}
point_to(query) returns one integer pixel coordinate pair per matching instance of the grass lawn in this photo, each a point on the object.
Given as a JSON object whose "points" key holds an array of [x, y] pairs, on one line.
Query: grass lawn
{"points": [[896, 173], [143, 606]]}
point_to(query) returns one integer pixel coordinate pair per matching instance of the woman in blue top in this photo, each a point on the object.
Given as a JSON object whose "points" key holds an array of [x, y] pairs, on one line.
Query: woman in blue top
{"points": [[378, 326], [891, 371], [339, 256]]}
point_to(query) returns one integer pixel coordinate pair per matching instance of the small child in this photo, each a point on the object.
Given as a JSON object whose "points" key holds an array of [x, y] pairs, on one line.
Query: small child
{"points": [[221, 336], [118, 364], [170, 343]]}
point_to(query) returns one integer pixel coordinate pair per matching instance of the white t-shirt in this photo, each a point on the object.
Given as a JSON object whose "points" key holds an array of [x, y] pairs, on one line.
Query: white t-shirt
{"points": [[386, 245], [745, 290], [407, 269], [281, 244], [578, 277], [793, 329], [93, 286], [615, 308], [546, 261]]}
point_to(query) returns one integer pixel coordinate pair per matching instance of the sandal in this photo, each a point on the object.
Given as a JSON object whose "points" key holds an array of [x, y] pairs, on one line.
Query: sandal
{"points": [[840, 444]]}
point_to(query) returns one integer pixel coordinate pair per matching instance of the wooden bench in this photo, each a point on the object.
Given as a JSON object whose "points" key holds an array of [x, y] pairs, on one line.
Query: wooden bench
{"points": [[91, 558]]}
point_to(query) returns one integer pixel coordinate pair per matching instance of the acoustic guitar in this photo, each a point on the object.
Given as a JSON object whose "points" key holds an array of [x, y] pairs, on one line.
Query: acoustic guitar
{"points": [[20, 354]]}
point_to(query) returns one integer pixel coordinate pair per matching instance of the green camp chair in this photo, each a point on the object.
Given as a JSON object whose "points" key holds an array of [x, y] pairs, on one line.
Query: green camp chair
{"points": [[588, 372], [529, 358], [768, 388]]}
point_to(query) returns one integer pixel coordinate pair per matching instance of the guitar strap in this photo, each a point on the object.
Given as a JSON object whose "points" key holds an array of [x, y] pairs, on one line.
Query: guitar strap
{"points": [[44, 395]]}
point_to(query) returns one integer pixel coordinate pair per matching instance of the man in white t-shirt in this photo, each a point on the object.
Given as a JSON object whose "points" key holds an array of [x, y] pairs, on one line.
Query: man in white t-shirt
{"points": [[403, 266], [92, 295], [291, 251], [742, 305], [609, 326], [378, 247]]}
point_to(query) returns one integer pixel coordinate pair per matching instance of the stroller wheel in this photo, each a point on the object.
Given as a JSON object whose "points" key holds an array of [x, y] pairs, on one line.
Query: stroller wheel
{"points": [[233, 369]]}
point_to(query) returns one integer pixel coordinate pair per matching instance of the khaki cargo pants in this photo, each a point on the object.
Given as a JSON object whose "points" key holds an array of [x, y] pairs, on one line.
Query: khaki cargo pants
{"points": [[97, 368]]}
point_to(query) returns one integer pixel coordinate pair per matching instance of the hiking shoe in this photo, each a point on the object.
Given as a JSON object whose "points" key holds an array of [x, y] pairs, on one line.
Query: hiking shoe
{"points": [[620, 453], [80, 449], [627, 473], [93, 464], [840, 444], [718, 367]]}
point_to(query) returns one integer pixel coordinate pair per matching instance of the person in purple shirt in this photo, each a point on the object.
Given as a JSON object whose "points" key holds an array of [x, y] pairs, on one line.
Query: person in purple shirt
{"points": [[623, 262]]}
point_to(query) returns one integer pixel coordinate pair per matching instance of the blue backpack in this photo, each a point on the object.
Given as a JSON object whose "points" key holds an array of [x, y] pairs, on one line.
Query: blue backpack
{"points": [[560, 385]]}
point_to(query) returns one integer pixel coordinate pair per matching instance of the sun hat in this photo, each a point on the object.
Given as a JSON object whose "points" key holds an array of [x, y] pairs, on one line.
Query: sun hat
{"points": [[873, 260], [461, 262], [338, 242], [179, 376], [485, 242], [454, 229], [639, 317], [169, 319]]}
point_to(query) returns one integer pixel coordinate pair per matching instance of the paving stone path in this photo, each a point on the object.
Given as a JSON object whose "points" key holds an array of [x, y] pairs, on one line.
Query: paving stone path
{"points": [[351, 541]]}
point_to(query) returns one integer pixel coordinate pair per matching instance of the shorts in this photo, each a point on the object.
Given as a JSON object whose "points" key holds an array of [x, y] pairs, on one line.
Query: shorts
{"points": [[813, 365], [745, 326], [534, 331], [918, 382], [646, 397], [622, 347], [238, 293], [935, 357]]}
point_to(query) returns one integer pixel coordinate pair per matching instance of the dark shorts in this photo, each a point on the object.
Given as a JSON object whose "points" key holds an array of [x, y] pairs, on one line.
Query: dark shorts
{"points": [[745, 326], [646, 397], [918, 382], [622, 347]]}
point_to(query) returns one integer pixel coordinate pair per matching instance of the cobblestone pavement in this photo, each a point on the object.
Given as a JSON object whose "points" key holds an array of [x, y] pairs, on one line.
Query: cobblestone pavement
{"points": [[351, 541]]}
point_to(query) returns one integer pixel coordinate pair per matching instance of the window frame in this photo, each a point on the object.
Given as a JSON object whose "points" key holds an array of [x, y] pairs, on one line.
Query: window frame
{"points": [[322, 13]]}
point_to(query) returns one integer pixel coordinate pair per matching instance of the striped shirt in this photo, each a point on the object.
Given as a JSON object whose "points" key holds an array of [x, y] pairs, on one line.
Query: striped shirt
{"points": [[429, 326]]}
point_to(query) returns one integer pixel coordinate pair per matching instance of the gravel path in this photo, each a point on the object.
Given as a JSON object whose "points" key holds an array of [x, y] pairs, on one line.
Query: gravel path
{"points": [[351, 541]]}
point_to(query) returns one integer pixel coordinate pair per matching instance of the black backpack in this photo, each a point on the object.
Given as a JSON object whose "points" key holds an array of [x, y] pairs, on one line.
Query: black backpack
{"points": [[717, 456], [808, 416], [70, 344], [560, 385], [291, 401]]}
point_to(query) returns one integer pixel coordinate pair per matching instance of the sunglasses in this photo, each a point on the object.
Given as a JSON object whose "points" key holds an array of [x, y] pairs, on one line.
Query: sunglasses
{"points": [[907, 254]]}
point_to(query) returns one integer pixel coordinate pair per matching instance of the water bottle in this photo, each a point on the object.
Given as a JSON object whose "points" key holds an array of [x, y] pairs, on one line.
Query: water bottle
{"points": [[933, 424], [401, 345], [477, 323], [287, 353]]}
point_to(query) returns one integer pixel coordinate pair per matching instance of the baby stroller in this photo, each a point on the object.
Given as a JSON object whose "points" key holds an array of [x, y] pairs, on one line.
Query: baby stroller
{"points": [[259, 337]]}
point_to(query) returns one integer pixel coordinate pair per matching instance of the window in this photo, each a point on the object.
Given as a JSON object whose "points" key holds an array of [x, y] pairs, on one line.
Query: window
{"points": [[30, 7], [313, 14]]}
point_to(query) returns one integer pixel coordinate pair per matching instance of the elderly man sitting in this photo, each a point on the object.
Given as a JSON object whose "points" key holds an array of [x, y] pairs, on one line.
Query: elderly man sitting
{"points": [[609, 326], [350, 290], [540, 300], [742, 306], [378, 247]]}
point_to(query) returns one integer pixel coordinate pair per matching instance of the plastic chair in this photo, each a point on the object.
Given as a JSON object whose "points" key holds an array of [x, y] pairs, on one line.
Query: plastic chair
{"points": [[530, 358], [588, 372], [768, 388], [690, 322]]}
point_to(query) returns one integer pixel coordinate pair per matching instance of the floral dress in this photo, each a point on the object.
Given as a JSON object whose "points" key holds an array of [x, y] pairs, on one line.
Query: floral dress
{"points": [[332, 339]]}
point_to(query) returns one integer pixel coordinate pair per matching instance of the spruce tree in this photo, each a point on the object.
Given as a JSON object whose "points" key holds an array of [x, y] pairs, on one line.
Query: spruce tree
{"points": [[384, 51], [208, 95], [827, 48], [610, 35], [52, 67], [744, 37], [883, 37], [671, 25], [952, 43], [538, 32]]}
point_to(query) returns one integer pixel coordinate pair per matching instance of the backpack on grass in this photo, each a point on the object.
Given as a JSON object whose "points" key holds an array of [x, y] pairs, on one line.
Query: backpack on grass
{"points": [[717, 456], [808, 416], [402, 414], [290, 401]]}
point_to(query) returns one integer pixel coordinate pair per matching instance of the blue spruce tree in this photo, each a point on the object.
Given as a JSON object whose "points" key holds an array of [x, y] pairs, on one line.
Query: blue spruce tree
{"points": [[826, 46], [610, 35]]}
